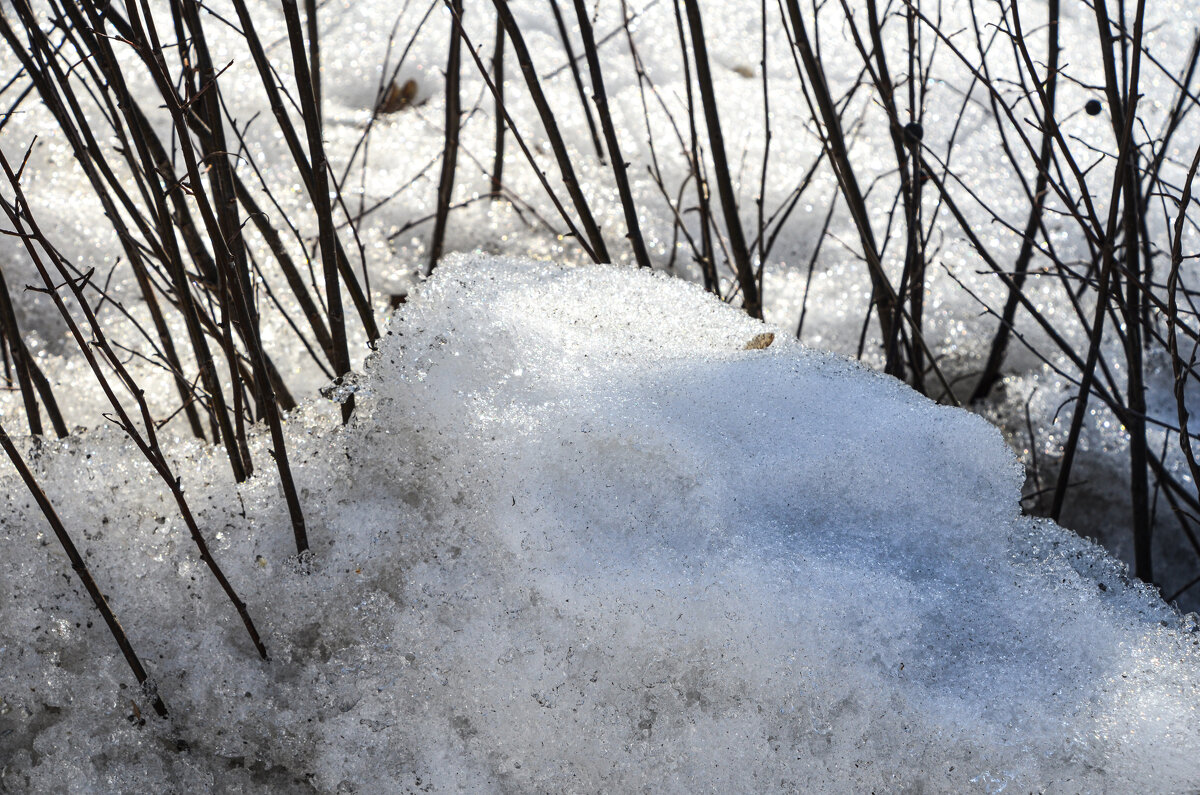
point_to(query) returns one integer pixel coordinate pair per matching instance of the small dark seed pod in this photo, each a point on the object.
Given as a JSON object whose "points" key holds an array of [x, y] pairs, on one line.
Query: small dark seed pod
{"points": [[1093, 107], [913, 133]]}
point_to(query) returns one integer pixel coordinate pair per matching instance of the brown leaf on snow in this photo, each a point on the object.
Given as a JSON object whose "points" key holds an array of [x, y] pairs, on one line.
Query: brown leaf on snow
{"points": [[760, 341], [397, 98]]}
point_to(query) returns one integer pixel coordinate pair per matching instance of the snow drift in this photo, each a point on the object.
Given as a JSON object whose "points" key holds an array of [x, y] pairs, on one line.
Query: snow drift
{"points": [[580, 538]]}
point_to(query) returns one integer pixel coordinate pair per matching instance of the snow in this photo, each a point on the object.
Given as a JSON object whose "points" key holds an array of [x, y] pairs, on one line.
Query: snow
{"points": [[579, 538]]}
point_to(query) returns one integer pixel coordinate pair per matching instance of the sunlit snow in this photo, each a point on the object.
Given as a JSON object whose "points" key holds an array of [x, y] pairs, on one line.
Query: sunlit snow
{"points": [[579, 538]]}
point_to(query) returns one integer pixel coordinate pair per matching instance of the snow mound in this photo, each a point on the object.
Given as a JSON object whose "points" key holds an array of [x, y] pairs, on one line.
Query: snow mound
{"points": [[583, 536]]}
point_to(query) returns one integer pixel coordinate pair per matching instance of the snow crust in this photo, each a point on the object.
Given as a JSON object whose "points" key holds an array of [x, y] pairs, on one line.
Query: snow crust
{"points": [[578, 538]]}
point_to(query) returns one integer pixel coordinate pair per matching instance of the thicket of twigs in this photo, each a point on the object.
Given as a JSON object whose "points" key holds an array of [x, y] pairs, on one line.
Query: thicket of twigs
{"points": [[176, 181]]}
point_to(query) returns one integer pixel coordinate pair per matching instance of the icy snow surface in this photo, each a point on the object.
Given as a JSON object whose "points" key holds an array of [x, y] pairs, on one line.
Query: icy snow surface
{"points": [[580, 539]]}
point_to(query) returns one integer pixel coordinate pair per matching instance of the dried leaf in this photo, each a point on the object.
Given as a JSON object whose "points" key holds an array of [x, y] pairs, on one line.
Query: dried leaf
{"points": [[397, 98], [760, 341]]}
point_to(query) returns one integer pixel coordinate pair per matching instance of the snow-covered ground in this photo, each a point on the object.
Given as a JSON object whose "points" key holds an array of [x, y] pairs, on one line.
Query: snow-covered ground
{"points": [[364, 41], [579, 538]]}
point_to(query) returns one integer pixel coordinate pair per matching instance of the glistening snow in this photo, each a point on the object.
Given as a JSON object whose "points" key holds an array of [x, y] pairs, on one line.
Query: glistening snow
{"points": [[576, 539]]}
